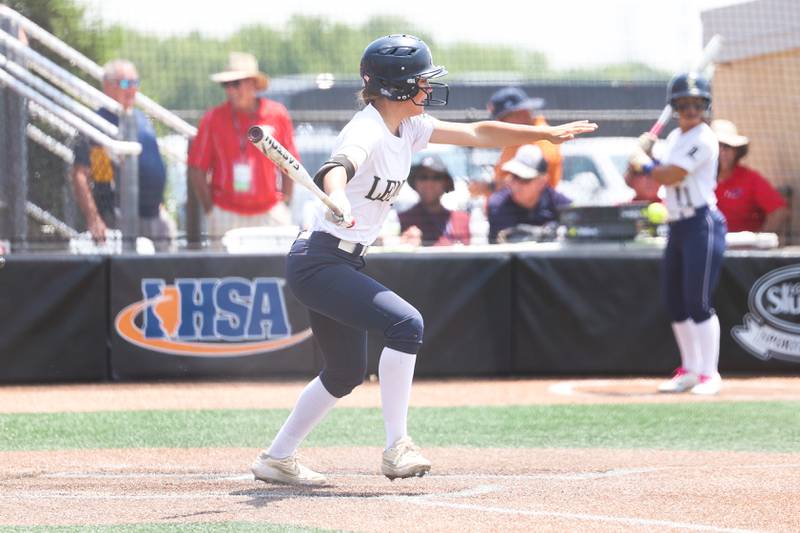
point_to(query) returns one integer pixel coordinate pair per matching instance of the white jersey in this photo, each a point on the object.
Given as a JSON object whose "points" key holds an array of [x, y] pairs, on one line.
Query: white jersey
{"points": [[696, 151], [379, 178]]}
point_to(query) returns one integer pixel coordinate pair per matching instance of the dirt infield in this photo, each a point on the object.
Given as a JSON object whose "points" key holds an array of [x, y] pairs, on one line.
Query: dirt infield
{"points": [[426, 393], [469, 489]]}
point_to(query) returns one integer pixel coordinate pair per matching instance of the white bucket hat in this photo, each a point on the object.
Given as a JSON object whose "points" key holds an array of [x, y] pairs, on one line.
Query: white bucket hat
{"points": [[242, 66], [728, 134], [527, 163]]}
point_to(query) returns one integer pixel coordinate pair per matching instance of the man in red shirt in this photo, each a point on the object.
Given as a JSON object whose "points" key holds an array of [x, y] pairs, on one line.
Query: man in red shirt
{"points": [[244, 188], [748, 201]]}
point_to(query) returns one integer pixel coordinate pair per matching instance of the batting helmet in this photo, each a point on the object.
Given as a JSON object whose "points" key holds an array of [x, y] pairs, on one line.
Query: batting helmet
{"points": [[393, 65], [688, 84]]}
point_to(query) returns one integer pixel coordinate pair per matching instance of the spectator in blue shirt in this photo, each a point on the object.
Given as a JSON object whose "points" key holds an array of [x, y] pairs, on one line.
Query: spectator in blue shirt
{"points": [[528, 199], [94, 170]]}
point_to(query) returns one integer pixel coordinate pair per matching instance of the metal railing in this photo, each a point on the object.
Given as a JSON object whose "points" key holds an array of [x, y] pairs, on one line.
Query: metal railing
{"points": [[68, 104]]}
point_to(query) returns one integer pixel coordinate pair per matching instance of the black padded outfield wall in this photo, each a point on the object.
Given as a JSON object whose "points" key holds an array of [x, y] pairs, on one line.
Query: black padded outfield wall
{"points": [[583, 314], [206, 316], [53, 319], [464, 301]]}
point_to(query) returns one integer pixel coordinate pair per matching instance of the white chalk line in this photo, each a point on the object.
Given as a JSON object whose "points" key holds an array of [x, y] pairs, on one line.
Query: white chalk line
{"points": [[429, 500], [632, 521], [562, 476]]}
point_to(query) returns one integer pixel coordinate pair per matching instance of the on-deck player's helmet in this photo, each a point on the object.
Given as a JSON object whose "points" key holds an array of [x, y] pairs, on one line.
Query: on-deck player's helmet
{"points": [[393, 65], [688, 84]]}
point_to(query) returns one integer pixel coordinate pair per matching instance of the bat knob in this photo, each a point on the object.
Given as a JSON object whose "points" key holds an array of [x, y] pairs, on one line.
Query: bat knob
{"points": [[255, 134]]}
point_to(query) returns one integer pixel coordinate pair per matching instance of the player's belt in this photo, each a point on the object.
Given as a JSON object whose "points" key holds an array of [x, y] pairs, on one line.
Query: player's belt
{"points": [[354, 248], [686, 213]]}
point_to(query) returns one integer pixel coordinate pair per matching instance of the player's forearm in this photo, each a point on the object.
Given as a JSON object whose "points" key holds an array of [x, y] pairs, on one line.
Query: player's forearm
{"points": [[775, 220], [491, 133], [83, 193], [334, 180], [668, 174]]}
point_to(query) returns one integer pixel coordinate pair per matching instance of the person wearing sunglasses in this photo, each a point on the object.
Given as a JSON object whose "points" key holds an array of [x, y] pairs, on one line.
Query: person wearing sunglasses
{"points": [[94, 171], [696, 243], [236, 185], [429, 222]]}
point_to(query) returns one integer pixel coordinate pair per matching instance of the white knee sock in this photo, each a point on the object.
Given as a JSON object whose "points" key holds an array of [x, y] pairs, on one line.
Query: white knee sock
{"points": [[707, 333], [313, 404], [395, 371], [687, 344]]}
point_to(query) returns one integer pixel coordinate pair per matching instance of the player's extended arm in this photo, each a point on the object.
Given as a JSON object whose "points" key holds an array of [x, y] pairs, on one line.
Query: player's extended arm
{"points": [[493, 133]]}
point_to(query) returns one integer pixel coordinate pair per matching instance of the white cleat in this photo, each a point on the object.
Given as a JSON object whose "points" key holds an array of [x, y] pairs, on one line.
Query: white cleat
{"points": [[403, 460], [682, 380], [286, 470], [708, 385]]}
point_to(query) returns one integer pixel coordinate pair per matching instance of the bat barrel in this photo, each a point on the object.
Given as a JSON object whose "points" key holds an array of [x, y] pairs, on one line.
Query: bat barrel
{"points": [[255, 134]]}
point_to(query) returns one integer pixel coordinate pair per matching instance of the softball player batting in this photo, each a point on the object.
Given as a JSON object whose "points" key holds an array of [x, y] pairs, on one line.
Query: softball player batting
{"points": [[696, 243], [368, 166]]}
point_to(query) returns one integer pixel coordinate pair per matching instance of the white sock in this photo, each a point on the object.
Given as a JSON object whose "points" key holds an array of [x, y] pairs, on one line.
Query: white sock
{"points": [[707, 333], [396, 372], [687, 344], [313, 404]]}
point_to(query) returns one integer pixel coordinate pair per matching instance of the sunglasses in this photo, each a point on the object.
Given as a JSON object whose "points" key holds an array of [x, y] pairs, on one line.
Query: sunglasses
{"points": [[697, 106], [234, 84], [127, 83], [431, 177]]}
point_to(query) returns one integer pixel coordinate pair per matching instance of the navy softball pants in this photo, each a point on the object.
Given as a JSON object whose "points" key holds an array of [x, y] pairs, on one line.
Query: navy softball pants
{"points": [[692, 264], [344, 304]]}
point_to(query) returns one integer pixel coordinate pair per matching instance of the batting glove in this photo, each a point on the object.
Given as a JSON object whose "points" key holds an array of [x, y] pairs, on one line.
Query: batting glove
{"points": [[646, 143], [640, 162], [346, 220]]}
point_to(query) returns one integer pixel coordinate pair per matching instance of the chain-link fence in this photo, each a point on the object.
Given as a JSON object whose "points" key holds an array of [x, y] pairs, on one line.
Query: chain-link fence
{"points": [[312, 65]]}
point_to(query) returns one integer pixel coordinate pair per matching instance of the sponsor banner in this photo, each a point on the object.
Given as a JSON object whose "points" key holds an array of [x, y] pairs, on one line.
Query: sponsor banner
{"points": [[54, 319], [771, 329], [206, 316]]}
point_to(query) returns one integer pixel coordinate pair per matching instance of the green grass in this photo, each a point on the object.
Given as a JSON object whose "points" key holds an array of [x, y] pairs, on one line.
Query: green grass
{"points": [[237, 527], [741, 426]]}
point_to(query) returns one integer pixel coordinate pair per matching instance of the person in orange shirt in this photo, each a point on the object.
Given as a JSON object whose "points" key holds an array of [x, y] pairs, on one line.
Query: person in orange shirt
{"points": [[513, 105]]}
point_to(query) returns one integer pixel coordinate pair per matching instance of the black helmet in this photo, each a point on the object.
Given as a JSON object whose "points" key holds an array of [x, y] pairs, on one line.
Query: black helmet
{"points": [[393, 65], [435, 164], [688, 84]]}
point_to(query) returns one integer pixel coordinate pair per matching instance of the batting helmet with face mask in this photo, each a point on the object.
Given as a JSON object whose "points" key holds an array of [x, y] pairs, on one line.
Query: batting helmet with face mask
{"points": [[393, 66], [689, 84]]}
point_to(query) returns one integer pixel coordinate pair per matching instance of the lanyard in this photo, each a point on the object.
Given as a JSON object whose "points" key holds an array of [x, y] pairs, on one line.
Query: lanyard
{"points": [[238, 132]]}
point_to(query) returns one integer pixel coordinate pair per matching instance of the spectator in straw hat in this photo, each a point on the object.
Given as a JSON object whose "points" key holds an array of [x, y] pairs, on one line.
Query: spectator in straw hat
{"points": [[429, 222], [748, 201], [244, 189]]}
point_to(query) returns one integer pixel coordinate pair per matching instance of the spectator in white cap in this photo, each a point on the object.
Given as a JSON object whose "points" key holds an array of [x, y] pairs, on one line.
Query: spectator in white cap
{"points": [[748, 201], [529, 199]]}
